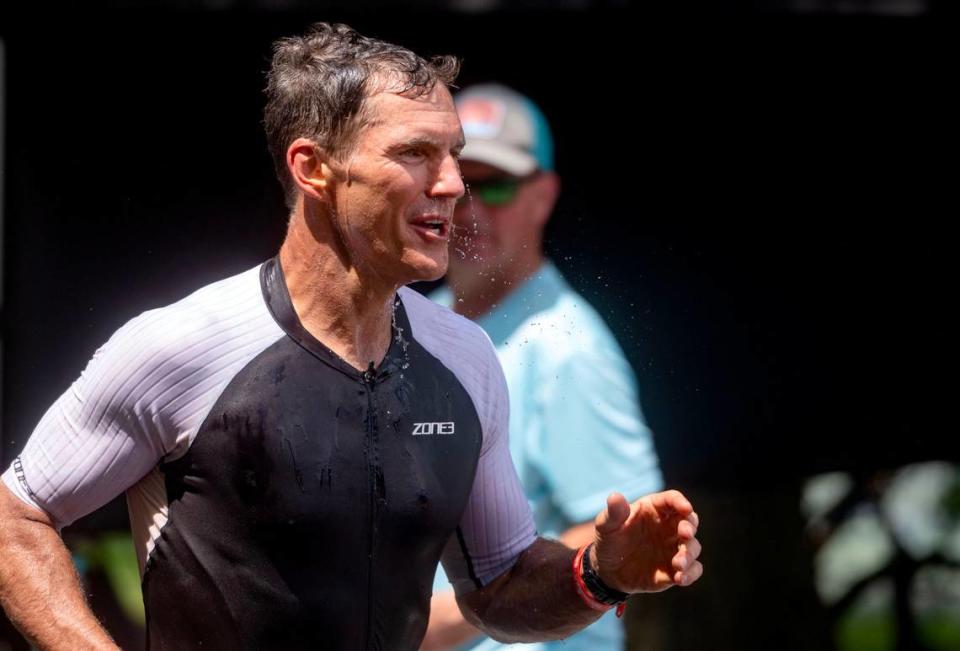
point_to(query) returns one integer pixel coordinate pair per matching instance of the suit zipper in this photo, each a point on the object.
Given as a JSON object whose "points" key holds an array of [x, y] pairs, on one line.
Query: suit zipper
{"points": [[369, 380]]}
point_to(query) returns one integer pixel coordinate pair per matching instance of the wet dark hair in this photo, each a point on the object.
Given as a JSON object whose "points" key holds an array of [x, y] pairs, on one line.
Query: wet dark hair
{"points": [[318, 84]]}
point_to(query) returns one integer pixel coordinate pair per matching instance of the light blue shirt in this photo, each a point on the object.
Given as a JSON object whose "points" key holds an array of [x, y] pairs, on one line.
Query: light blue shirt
{"points": [[576, 429]]}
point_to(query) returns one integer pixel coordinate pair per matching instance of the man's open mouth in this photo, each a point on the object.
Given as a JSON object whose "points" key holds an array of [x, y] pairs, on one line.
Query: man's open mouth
{"points": [[432, 227]]}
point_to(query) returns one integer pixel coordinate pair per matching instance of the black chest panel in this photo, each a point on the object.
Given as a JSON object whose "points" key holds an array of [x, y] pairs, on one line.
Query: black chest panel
{"points": [[313, 506]]}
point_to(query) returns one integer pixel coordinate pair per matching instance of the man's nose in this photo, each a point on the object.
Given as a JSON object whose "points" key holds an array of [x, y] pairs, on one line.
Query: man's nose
{"points": [[448, 183]]}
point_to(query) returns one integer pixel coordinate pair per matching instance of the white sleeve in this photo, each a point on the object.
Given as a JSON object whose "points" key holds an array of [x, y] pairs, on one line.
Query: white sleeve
{"points": [[497, 525], [100, 436], [141, 399]]}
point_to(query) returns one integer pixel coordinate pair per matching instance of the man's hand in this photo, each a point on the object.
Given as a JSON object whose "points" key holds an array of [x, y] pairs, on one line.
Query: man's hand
{"points": [[647, 546]]}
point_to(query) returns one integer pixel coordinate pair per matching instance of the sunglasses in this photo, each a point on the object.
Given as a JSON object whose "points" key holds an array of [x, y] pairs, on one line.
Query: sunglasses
{"points": [[494, 192]]}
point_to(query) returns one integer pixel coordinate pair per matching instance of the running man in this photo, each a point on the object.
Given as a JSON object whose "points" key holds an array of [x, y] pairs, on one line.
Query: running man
{"points": [[302, 443]]}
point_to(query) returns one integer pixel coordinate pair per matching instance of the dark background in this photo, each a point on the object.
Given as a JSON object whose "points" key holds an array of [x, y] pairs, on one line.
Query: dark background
{"points": [[759, 205]]}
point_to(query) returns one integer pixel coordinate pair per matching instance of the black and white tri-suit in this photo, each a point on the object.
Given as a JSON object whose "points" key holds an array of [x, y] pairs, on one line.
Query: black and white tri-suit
{"points": [[279, 498]]}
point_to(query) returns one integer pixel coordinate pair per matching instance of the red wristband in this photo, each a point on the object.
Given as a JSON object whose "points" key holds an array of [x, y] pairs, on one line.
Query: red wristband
{"points": [[584, 591], [582, 588]]}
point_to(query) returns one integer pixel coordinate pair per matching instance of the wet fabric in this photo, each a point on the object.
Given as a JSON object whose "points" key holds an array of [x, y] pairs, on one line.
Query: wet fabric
{"points": [[281, 498]]}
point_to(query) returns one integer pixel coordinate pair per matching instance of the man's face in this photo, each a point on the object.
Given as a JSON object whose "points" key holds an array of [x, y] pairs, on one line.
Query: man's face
{"points": [[496, 221], [394, 195]]}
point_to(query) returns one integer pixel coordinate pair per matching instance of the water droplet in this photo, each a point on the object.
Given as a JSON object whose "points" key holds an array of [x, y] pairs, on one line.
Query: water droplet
{"points": [[398, 335]]}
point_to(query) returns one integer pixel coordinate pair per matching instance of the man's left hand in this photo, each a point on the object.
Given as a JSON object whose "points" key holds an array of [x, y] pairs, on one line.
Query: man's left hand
{"points": [[647, 546]]}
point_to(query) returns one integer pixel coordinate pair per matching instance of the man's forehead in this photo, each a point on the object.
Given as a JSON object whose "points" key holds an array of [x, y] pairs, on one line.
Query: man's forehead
{"points": [[437, 99], [432, 115]]}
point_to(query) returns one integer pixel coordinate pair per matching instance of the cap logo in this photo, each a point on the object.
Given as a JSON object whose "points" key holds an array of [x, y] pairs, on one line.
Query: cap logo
{"points": [[481, 118]]}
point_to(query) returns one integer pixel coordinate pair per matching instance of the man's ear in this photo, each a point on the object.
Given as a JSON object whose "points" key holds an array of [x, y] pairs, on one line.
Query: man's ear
{"points": [[546, 188], [307, 163]]}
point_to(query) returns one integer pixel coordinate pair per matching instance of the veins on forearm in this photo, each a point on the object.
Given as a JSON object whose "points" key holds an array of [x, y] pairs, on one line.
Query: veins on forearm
{"points": [[39, 587], [535, 600]]}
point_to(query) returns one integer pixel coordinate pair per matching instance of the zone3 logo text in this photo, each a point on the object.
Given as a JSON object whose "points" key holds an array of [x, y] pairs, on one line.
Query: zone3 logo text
{"points": [[426, 429]]}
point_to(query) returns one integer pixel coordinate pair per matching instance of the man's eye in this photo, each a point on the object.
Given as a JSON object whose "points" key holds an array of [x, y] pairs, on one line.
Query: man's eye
{"points": [[413, 153]]}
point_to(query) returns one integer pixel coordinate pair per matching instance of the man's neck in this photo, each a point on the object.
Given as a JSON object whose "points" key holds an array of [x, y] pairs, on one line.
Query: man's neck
{"points": [[347, 311], [476, 293]]}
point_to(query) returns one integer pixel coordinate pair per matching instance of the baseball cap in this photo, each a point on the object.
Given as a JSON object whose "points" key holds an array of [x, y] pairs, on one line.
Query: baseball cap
{"points": [[504, 129]]}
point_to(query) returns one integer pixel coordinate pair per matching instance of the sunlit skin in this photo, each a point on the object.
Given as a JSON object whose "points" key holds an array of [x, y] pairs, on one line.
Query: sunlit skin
{"points": [[372, 219], [402, 173]]}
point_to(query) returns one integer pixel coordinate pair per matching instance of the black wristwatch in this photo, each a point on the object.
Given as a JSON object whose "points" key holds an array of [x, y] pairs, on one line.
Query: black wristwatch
{"points": [[600, 590]]}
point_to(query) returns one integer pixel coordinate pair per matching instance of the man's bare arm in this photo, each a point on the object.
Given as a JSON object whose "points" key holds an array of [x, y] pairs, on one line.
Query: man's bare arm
{"points": [[535, 600], [647, 546], [39, 588], [448, 628]]}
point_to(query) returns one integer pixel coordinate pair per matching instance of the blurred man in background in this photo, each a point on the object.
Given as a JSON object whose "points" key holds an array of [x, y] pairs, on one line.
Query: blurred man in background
{"points": [[577, 431]]}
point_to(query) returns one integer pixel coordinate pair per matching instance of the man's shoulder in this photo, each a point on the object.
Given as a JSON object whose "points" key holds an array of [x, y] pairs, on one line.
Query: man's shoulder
{"points": [[462, 347], [434, 323], [218, 303], [199, 330]]}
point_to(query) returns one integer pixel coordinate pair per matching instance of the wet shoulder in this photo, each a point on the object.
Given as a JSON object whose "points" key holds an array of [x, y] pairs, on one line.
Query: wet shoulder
{"points": [[459, 344], [436, 326], [465, 349], [205, 329]]}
